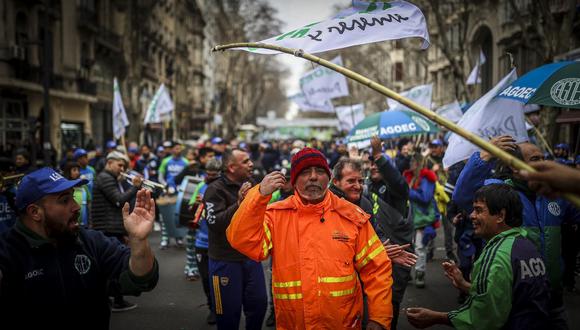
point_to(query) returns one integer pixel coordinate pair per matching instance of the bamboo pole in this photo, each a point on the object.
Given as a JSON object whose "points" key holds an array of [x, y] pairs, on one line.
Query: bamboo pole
{"points": [[481, 143]]}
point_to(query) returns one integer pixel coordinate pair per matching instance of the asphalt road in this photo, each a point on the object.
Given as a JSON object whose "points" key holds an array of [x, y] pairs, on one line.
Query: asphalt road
{"points": [[179, 304]]}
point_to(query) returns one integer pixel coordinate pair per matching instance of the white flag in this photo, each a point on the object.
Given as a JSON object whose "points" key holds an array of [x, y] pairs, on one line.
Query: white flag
{"points": [[365, 22], [349, 116], [120, 120], [475, 74], [323, 83], [421, 95], [488, 117], [306, 106], [161, 106], [451, 111]]}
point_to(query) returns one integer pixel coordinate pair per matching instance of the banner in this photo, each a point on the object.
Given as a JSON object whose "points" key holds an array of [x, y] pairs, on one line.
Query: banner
{"points": [[475, 74], [323, 83], [349, 116], [421, 95], [488, 117], [120, 120], [161, 107], [306, 106], [363, 23], [451, 111]]}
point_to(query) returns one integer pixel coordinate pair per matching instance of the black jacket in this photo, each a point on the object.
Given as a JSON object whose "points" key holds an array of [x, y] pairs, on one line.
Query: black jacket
{"points": [[386, 220], [393, 189], [47, 286], [108, 201], [221, 202]]}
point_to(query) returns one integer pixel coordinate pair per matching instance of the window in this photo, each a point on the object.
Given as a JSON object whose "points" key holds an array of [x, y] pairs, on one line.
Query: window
{"points": [[398, 71], [72, 135], [13, 123]]}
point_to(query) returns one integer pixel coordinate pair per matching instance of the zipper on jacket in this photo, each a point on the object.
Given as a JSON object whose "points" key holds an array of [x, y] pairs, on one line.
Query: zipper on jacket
{"points": [[59, 269]]}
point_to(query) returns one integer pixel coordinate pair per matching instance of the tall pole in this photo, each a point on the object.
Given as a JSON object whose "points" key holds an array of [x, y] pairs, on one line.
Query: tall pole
{"points": [[46, 60], [469, 136]]}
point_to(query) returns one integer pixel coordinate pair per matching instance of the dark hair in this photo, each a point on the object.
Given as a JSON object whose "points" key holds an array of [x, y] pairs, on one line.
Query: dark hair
{"points": [[202, 152], [22, 152], [67, 168], [401, 143], [502, 170], [228, 157], [343, 162], [500, 196]]}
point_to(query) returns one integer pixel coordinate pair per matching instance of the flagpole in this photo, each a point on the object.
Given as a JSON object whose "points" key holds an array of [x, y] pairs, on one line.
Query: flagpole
{"points": [[541, 137], [478, 141]]}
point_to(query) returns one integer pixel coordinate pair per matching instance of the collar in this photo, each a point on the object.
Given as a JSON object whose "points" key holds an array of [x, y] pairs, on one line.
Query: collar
{"points": [[515, 231], [229, 182], [33, 239], [324, 205], [340, 194]]}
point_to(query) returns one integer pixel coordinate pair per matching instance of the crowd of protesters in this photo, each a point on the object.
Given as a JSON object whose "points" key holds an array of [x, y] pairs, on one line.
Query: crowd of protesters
{"points": [[501, 228]]}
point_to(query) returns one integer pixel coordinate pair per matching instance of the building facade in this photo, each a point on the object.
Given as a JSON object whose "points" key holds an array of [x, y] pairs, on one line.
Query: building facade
{"points": [[142, 43]]}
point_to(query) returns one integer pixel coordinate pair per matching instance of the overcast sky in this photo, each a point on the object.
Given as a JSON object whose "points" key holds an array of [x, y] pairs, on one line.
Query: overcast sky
{"points": [[297, 13]]}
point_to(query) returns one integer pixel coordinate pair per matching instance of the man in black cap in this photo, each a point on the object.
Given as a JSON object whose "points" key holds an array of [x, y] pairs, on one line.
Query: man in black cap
{"points": [[54, 274]]}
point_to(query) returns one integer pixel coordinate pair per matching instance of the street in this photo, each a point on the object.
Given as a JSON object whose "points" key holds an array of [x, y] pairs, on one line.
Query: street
{"points": [[179, 304]]}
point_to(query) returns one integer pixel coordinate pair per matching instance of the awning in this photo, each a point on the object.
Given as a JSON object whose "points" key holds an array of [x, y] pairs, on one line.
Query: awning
{"points": [[567, 117]]}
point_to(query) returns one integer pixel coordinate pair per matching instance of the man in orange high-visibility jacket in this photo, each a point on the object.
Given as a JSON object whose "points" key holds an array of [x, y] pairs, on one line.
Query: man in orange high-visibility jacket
{"points": [[321, 246]]}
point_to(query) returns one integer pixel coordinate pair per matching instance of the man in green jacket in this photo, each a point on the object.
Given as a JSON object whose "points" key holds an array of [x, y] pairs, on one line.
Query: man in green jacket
{"points": [[509, 287]]}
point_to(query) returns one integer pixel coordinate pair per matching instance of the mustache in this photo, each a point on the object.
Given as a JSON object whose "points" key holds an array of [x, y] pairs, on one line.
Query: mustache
{"points": [[314, 186]]}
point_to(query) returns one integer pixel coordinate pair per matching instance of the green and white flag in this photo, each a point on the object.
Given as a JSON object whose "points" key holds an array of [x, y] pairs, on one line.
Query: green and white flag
{"points": [[365, 22], [161, 107], [322, 83], [120, 120], [421, 95], [305, 105]]}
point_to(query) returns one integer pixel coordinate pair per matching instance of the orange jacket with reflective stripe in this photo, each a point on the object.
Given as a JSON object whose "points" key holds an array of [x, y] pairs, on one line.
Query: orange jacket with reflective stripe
{"points": [[320, 253]]}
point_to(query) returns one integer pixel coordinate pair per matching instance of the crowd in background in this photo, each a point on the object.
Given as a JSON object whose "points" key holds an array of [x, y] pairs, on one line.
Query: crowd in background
{"points": [[409, 177]]}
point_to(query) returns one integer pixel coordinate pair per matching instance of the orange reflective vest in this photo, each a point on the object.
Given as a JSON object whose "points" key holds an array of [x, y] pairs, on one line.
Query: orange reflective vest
{"points": [[320, 254]]}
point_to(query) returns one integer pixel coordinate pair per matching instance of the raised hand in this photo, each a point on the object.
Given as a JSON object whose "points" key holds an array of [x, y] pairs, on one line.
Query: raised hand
{"points": [[139, 223], [272, 182], [376, 146], [504, 142], [453, 273]]}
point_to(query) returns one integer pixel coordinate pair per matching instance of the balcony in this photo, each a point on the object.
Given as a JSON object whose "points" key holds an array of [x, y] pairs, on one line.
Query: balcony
{"points": [[85, 86], [87, 19], [109, 39], [148, 72]]}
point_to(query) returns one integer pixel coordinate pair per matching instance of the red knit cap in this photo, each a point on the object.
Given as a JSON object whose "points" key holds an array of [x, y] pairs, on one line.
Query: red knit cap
{"points": [[307, 157]]}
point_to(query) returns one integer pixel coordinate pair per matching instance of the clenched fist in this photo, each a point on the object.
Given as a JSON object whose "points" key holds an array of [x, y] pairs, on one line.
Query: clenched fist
{"points": [[272, 182]]}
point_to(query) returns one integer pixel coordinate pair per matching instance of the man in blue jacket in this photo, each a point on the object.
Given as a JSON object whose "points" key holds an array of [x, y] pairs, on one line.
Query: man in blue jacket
{"points": [[543, 217], [54, 274]]}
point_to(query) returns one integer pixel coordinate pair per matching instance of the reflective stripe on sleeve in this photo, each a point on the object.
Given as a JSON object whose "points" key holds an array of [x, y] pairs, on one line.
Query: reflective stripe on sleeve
{"points": [[371, 256], [364, 249]]}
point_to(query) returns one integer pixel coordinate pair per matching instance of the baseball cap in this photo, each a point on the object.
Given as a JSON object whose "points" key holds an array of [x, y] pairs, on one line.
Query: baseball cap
{"points": [[79, 153], [133, 150], [168, 144], [117, 155], [111, 144], [40, 183], [217, 140], [564, 146], [436, 142]]}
